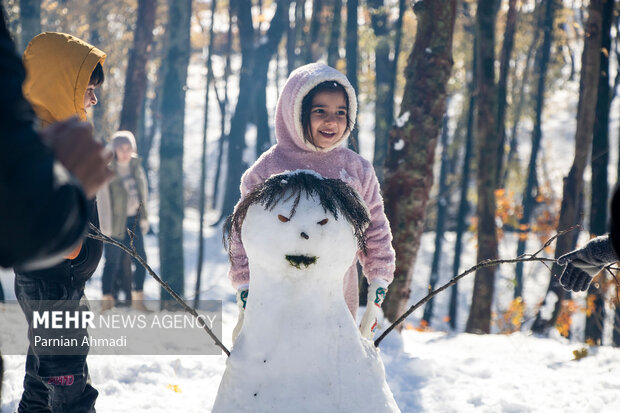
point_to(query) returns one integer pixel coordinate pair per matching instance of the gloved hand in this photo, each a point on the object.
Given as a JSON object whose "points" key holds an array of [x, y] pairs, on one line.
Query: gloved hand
{"points": [[584, 263], [242, 298], [376, 294]]}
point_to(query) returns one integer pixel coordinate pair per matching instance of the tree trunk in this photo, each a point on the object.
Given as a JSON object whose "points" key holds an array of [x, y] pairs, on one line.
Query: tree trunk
{"points": [[171, 203], [223, 104], [236, 135], [263, 133], [502, 85], [442, 206], [479, 320], [518, 109], [300, 33], [291, 42], [30, 19], [461, 225], [384, 103], [255, 64], [573, 183], [312, 49], [398, 36], [409, 162], [463, 210], [97, 11], [599, 161], [333, 48], [203, 160], [352, 45], [135, 77], [531, 187]]}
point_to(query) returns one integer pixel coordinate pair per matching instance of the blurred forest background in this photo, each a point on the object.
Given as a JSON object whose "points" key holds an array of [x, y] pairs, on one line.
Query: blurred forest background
{"points": [[454, 96]]}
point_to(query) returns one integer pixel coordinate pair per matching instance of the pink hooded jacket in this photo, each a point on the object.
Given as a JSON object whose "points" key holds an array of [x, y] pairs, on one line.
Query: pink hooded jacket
{"points": [[292, 152]]}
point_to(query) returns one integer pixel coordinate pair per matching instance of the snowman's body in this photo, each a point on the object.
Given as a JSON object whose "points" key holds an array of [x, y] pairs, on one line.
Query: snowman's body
{"points": [[299, 349]]}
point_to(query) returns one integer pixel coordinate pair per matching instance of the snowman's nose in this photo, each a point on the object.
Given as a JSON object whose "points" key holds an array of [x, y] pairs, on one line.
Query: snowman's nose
{"points": [[304, 235]]}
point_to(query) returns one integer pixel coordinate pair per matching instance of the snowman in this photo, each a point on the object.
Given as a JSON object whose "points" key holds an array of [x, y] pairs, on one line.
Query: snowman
{"points": [[299, 349]]}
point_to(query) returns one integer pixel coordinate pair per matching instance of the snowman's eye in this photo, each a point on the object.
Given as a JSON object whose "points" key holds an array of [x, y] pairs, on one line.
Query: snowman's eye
{"points": [[323, 221], [283, 218]]}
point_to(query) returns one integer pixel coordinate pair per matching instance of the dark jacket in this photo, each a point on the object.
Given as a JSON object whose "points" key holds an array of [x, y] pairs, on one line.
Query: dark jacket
{"points": [[41, 215], [76, 271]]}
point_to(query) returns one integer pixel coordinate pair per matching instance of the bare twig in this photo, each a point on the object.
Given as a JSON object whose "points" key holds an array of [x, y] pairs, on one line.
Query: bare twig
{"points": [[482, 264], [98, 235]]}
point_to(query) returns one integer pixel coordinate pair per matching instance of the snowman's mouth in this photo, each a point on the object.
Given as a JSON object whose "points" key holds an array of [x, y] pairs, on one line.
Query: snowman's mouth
{"points": [[298, 260]]}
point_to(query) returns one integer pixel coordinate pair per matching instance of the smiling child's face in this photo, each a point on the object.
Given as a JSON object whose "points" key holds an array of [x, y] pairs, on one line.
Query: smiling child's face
{"points": [[328, 118]]}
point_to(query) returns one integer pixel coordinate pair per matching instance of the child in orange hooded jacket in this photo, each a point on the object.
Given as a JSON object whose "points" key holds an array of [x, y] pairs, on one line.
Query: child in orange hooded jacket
{"points": [[62, 73]]}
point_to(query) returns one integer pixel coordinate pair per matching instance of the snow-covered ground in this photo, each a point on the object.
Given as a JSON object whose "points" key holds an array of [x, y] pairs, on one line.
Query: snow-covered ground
{"points": [[428, 371]]}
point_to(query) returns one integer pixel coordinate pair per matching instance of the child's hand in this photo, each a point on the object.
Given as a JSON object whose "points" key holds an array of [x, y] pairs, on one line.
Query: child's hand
{"points": [[242, 299], [376, 294], [74, 146], [584, 263]]}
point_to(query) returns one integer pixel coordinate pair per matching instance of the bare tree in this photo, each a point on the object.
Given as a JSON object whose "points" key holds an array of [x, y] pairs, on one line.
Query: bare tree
{"points": [[463, 209], [599, 161], [223, 105], [352, 44], [502, 84], [203, 159], [442, 207], [255, 65], [333, 47], [570, 212], [97, 9], [409, 163], [387, 50], [518, 108], [135, 77], [531, 186], [313, 46], [171, 203], [479, 320]]}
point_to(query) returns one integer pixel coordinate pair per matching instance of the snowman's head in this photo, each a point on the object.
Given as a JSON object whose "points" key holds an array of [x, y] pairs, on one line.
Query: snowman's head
{"points": [[300, 220]]}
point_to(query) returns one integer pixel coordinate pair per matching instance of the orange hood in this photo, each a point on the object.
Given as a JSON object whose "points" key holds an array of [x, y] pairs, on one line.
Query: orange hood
{"points": [[58, 69]]}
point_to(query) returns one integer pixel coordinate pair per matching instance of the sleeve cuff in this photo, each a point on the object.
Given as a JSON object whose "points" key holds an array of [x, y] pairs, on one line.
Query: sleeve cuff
{"points": [[380, 282]]}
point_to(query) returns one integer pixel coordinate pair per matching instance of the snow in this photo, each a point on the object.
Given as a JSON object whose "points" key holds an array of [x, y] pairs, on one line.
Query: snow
{"points": [[427, 371], [399, 145], [402, 119], [287, 353], [546, 311]]}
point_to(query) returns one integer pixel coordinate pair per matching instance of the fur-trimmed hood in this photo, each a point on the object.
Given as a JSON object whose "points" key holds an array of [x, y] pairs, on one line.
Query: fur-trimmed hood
{"points": [[289, 132]]}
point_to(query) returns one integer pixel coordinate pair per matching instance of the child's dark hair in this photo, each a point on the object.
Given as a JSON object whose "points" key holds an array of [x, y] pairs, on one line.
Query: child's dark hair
{"points": [[306, 106], [334, 196], [97, 77]]}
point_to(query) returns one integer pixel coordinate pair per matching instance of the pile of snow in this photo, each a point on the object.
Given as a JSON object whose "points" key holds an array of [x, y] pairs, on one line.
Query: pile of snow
{"points": [[299, 345]]}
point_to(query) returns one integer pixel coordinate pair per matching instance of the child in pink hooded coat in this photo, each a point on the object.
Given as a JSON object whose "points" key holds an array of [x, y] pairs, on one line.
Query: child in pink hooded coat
{"points": [[314, 116]]}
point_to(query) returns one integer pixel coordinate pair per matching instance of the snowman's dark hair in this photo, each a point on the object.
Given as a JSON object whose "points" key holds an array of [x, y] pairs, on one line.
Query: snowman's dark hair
{"points": [[335, 197]]}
